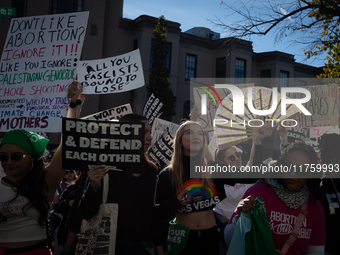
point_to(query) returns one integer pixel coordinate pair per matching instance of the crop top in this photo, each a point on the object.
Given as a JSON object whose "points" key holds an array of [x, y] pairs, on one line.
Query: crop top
{"points": [[201, 200], [18, 227]]}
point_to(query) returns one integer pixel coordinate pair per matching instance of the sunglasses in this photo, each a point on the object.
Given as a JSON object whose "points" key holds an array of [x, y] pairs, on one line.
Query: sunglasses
{"points": [[232, 158], [69, 172], [14, 156]]}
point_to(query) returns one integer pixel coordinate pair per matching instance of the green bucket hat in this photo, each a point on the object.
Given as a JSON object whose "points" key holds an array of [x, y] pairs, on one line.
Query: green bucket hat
{"points": [[33, 143]]}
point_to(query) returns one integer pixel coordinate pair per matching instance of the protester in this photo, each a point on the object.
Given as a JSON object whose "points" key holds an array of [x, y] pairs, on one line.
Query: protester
{"points": [[28, 188], [284, 199], [134, 193], [231, 190], [330, 156], [70, 178], [173, 195]]}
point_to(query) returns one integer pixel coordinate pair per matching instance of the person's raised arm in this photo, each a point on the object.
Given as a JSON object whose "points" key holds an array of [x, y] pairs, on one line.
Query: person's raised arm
{"points": [[54, 171]]}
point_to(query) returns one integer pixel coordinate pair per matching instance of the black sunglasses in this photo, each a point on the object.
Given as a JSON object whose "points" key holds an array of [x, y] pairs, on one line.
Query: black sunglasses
{"points": [[69, 172], [232, 158], [14, 156]]}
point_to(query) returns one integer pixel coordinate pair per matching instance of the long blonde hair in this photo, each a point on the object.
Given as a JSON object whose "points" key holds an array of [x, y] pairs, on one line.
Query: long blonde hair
{"points": [[176, 164]]}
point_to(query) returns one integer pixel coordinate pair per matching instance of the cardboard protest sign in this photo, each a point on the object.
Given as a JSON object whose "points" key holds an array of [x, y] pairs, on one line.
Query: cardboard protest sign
{"points": [[324, 106], [151, 109], [297, 135], [111, 75], [212, 103], [161, 152], [159, 127], [114, 113], [37, 66], [315, 134], [88, 142]]}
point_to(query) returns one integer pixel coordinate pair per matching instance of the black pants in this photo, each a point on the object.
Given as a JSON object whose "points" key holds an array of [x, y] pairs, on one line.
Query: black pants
{"points": [[202, 242]]}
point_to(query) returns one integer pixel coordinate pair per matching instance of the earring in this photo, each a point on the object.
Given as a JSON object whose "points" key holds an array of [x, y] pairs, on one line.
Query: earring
{"points": [[31, 166]]}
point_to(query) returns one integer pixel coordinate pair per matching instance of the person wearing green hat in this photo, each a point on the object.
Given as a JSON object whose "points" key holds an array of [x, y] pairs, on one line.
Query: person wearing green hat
{"points": [[28, 188]]}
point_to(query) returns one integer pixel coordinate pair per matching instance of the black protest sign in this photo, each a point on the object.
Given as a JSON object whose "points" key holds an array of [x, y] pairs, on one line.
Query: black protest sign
{"points": [[161, 152], [295, 135], [152, 108], [88, 142]]}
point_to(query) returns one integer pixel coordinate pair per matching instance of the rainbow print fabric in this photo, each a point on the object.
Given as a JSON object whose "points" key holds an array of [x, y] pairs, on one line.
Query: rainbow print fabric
{"points": [[201, 199]]}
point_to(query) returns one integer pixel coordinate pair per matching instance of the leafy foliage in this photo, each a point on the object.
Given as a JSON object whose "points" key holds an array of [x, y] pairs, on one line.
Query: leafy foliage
{"points": [[315, 21], [158, 79]]}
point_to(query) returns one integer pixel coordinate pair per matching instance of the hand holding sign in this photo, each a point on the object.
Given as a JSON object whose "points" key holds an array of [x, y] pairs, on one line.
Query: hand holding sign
{"points": [[95, 174]]}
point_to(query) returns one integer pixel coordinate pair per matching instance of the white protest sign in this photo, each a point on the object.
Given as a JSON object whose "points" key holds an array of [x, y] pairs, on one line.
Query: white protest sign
{"points": [[114, 113], [111, 75], [324, 106], [159, 127], [37, 66], [315, 134]]}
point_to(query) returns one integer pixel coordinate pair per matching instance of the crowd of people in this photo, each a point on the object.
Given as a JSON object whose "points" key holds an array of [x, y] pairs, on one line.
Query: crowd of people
{"points": [[42, 205]]}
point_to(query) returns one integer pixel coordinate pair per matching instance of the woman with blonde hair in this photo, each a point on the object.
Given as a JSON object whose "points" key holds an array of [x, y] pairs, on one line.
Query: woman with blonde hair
{"points": [[190, 200]]}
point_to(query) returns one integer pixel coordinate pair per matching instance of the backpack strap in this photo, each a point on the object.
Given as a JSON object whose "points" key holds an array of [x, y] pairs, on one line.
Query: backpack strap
{"points": [[294, 235]]}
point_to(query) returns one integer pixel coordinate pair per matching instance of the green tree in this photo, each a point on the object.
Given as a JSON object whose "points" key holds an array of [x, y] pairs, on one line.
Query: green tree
{"points": [[158, 79], [315, 21]]}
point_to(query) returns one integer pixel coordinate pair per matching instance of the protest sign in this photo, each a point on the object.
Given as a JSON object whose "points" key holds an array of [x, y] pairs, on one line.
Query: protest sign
{"points": [[161, 152], [315, 134], [159, 127], [114, 113], [88, 142], [151, 109], [212, 103], [297, 135], [324, 106], [37, 66], [111, 75]]}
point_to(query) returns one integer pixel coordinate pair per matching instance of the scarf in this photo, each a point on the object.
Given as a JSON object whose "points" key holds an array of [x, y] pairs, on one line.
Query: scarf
{"points": [[293, 199]]}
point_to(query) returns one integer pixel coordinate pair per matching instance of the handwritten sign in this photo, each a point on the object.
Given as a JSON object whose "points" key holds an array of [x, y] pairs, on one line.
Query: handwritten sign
{"points": [[87, 142], [111, 75], [159, 127], [324, 106], [161, 152], [37, 66], [152, 107], [208, 119], [315, 134], [114, 113]]}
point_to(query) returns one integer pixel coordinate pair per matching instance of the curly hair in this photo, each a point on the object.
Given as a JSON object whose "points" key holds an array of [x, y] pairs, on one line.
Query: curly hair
{"points": [[312, 183]]}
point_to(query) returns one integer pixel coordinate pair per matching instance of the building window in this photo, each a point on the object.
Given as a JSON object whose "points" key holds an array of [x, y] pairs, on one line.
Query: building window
{"points": [[190, 66], [221, 66], [284, 75], [302, 83], [66, 6], [20, 7], [168, 56], [240, 70]]}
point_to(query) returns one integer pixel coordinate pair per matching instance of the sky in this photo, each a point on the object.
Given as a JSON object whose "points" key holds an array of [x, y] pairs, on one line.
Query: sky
{"points": [[201, 13]]}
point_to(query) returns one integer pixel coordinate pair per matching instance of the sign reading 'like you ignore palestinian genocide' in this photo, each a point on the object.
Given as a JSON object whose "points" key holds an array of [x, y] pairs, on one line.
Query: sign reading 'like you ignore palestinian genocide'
{"points": [[38, 64], [118, 144]]}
